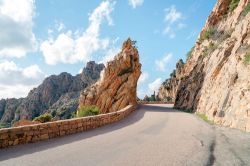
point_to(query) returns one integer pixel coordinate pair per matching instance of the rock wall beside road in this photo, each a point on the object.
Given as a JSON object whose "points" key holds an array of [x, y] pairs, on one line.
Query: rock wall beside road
{"points": [[216, 77]]}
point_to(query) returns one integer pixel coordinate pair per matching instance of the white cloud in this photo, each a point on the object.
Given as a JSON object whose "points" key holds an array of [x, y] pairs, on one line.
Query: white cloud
{"points": [[161, 64], [16, 36], [74, 47], [169, 31], [172, 15], [11, 74], [17, 81], [173, 19], [155, 85], [16, 91], [144, 76], [181, 25], [135, 3], [110, 54], [141, 93]]}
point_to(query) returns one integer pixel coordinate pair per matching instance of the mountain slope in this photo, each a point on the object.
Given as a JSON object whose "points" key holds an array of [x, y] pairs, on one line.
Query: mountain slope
{"points": [[216, 77], [57, 95]]}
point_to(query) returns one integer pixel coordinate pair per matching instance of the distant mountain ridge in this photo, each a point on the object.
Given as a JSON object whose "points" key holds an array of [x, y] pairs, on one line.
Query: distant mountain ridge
{"points": [[58, 95]]}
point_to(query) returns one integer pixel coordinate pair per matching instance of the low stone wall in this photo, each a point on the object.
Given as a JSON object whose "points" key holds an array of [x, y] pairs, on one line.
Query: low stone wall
{"points": [[155, 102], [33, 133]]}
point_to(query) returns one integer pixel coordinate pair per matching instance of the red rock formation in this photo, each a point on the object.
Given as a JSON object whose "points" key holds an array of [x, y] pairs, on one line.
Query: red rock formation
{"points": [[117, 86]]}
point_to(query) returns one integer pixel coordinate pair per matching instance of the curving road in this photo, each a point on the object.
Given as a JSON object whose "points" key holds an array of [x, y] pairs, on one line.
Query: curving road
{"points": [[154, 135]]}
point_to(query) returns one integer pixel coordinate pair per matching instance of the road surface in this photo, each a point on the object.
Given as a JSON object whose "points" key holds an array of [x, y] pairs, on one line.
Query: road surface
{"points": [[154, 135]]}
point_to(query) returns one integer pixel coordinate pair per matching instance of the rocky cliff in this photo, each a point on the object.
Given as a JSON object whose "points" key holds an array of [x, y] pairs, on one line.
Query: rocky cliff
{"points": [[57, 95], [118, 83], [168, 89], [216, 77]]}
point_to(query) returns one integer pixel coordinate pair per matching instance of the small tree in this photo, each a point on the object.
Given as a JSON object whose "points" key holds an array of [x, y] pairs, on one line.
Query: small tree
{"points": [[86, 111], [173, 74], [43, 118]]}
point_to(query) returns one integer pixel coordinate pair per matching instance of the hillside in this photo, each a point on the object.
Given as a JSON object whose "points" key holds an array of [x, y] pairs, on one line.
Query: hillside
{"points": [[58, 95], [216, 77]]}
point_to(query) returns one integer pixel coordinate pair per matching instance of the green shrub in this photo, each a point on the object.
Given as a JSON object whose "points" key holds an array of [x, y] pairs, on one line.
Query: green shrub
{"points": [[203, 117], [246, 10], [43, 118], [208, 33], [233, 5], [246, 60], [173, 74], [189, 53], [168, 99], [86, 111], [5, 125]]}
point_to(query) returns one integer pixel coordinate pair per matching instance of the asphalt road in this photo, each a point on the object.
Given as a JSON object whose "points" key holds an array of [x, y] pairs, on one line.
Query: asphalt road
{"points": [[154, 135]]}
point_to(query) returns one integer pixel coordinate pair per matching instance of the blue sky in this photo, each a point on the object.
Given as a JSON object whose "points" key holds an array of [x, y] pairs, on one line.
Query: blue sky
{"points": [[44, 37]]}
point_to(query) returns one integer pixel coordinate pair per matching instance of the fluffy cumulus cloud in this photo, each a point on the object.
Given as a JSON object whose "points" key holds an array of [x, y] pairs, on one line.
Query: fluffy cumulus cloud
{"points": [[17, 81], [173, 20], [71, 48], [16, 36], [135, 3], [161, 64], [155, 85]]}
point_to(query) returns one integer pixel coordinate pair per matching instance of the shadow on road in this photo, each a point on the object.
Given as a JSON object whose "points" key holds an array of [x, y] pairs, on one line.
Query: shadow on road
{"points": [[134, 117]]}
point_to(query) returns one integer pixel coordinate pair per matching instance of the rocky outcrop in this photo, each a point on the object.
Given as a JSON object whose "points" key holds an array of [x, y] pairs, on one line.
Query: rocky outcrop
{"points": [[216, 77], [118, 83], [168, 89], [57, 95]]}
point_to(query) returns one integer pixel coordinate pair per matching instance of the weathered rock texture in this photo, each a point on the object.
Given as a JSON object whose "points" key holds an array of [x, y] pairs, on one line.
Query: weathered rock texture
{"points": [[168, 89], [216, 81], [58, 95], [118, 83]]}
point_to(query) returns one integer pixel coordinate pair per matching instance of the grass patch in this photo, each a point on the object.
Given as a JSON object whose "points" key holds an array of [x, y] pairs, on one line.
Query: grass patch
{"points": [[208, 33], [43, 118], [246, 10], [210, 49], [246, 59], [203, 117], [233, 5], [86, 111]]}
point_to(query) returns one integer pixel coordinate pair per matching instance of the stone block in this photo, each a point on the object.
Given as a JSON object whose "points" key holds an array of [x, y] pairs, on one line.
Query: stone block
{"points": [[4, 136], [44, 136], [16, 142]]}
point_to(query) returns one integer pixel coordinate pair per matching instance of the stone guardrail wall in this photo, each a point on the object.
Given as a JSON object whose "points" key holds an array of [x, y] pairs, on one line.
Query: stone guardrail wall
{"points": [[33, 133], [155, 102]]}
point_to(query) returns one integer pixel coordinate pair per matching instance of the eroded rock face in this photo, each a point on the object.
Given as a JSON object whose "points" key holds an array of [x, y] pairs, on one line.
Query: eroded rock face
{"points": [[58, 95], [168, 89], [216, 81], [117, 86]]}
